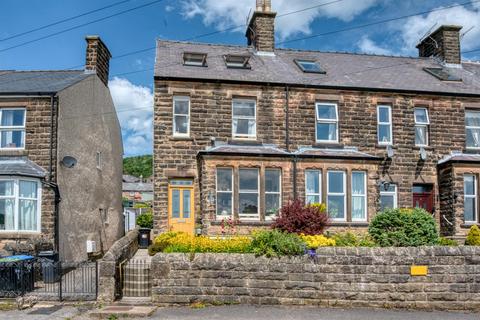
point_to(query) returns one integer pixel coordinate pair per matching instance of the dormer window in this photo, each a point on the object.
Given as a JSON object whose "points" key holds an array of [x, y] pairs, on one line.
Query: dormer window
{"points": [[237, 61], [442, 74], [195, 59], [309, 66]]}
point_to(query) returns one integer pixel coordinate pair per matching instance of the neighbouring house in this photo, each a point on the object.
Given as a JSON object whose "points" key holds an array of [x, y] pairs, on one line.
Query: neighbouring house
{"points": [[240, 130], [136, 189], [60, 159]]}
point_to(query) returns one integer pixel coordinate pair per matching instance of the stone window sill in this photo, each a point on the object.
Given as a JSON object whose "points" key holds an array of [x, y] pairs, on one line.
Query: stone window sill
{"points": [[348, 224], [19, 235], [468, 225], [182, 138], [327, 145], [12, 152]]}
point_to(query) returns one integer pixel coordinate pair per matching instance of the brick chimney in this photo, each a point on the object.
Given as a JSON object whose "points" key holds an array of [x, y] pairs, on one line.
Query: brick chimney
{"points": [[443, 43], [97, 58], [261, 29]]}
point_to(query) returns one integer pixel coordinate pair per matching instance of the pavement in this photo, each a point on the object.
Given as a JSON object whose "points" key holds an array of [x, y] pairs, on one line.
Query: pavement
{"points": [[238, 312]]}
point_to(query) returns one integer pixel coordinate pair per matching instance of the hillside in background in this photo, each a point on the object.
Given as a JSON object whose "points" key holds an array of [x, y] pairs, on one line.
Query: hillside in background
{"points": [[138, 166]]}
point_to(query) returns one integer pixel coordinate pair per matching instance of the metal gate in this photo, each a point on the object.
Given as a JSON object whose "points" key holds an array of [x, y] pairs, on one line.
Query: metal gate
{"points": [[48, 280]]}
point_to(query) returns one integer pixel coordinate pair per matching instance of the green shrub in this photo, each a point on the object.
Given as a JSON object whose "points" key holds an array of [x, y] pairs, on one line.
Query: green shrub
{"points": [[473, 236], [404, 228], [350, 239], [145, 220], [161, 242], [275, 243], [182, 242], [447, 242]]}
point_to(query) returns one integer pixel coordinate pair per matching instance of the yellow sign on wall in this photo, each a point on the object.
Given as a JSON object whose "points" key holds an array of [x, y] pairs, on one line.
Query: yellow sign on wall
{"points": [[418, 270]]}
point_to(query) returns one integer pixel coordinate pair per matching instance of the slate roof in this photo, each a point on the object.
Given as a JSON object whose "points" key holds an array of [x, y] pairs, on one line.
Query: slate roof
{"points": [[343, 70], [460, 157], [273, 151], [39, 81], [20, 166], [137, 187]]}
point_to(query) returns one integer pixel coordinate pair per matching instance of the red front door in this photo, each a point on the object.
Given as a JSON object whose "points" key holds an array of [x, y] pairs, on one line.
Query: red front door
{"points": [[423, 197]]}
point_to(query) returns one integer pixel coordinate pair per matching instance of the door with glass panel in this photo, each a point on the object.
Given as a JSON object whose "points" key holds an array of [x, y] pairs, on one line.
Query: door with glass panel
{"points": [[181, 215]]}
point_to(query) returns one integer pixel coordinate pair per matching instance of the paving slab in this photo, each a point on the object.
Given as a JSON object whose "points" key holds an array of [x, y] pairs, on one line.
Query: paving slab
{"points": [[123, 311]]}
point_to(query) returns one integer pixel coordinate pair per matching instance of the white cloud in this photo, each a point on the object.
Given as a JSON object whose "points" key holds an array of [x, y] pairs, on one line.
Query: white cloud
{"points": [[414, 28], [134, 105], [366, 45], [227, 13], [169, 8]]}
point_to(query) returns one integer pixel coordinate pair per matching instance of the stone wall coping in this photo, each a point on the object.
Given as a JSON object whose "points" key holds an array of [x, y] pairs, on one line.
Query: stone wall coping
{"points": [[426, 251], [116, 250]]}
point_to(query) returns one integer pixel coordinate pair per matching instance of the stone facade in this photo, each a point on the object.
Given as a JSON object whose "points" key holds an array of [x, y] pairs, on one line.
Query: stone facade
{"points": [[211, 118], [38, 135], [337, 277]]}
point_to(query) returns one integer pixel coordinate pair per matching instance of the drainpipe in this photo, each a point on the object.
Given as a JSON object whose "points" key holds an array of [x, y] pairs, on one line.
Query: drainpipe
{"points": [[294, 162], [52, 112], [287, 113]]}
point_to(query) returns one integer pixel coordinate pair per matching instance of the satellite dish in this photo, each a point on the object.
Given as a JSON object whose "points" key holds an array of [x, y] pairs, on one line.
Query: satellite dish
{"points": [[423, 154], [390, 152], [69, 162]]}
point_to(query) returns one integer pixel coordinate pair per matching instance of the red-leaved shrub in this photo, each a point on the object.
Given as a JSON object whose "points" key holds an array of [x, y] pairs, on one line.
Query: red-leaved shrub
{"points": [[296, 217]]}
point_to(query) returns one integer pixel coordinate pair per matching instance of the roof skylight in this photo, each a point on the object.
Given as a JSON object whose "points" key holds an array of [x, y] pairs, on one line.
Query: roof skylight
{"points": [[195, 59], [442, 74], [309, 66], [237, 61]]}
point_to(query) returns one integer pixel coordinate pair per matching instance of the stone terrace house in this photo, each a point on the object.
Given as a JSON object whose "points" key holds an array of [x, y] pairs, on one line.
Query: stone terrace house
{"points": [[60, 159], [240, 130]]}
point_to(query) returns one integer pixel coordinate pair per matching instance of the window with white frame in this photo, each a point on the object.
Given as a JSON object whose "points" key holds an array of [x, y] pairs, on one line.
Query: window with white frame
{"points": [[336, 200], [384, 125], [20, 205], [273, 191], [224, 191], [359, 196], [12, 128], [422, 122], [244, 123], [248, 195], [472, 128], [181, 116], [99, 160], [470, 198], [388, 196], [313, 186], [327, 122]]}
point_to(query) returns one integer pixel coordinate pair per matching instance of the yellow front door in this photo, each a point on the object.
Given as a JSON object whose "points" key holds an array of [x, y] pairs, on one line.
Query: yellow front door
{"points": [[181, 215]]}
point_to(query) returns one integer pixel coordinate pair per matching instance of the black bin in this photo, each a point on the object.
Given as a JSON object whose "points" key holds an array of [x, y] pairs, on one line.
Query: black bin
{"points": [[50, 266], [144, 238]]}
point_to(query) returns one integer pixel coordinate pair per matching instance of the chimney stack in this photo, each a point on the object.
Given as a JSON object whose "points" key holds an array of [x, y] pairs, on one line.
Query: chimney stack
{"points": [[97, 58], [261, 29], [443, 43]]}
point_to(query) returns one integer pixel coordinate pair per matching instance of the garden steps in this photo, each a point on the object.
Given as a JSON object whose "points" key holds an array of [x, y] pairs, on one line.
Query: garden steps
{"points": [[137, 280]]}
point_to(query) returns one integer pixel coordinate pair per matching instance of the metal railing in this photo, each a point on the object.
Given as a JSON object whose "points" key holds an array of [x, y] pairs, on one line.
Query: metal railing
{"points": [[49, 280]]}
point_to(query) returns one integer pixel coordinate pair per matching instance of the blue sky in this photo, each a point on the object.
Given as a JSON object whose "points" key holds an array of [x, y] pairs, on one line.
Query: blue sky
{"points": [[184, 19]]}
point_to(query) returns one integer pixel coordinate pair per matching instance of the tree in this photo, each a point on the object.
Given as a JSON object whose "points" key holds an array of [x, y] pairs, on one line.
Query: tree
{"points": [[138, 166]]}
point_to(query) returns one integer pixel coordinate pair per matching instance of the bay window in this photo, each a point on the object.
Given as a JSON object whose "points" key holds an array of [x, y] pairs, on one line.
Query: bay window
{"points": [[313, 189], [336, 203], [244, 123], [470, 198], [224, 191], [384, 125], [421, 126], [327, 122], [181, 116], [20, 205], [359, 196], [273, 198], [472, 128], [248, 195], [12, 128]]}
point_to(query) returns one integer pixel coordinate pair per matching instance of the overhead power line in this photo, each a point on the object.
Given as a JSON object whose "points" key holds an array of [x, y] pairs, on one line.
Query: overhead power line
{"points": [[81, 25], [63, 20]]}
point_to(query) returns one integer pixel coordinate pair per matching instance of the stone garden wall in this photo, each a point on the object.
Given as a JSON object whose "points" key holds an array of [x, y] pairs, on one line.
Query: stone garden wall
{"points": [[336, 277], [119, 252]]}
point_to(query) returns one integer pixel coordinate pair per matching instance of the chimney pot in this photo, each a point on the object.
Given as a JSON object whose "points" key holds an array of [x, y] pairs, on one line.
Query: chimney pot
{"points": [[443, 43], [97, 58]]}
